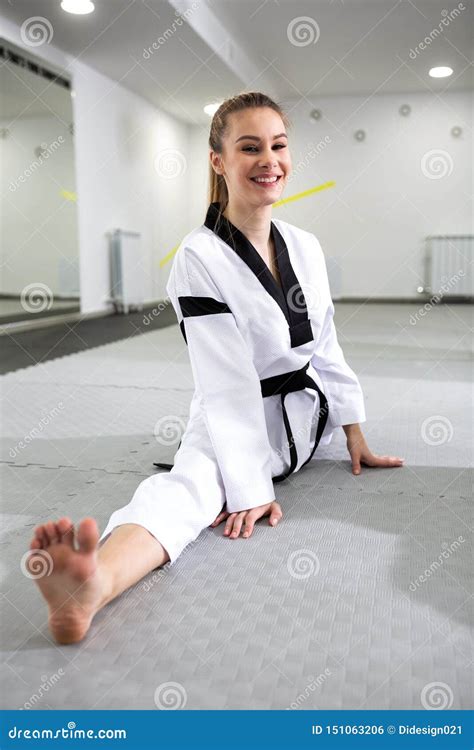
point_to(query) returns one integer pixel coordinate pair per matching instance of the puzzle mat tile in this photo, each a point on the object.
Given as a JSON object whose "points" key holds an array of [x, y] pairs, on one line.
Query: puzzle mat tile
{"points": [[328, 610], [320, 607]]}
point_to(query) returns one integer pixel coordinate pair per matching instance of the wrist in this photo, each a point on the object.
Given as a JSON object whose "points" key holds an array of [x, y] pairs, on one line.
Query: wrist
{"points": [[352, 429]]}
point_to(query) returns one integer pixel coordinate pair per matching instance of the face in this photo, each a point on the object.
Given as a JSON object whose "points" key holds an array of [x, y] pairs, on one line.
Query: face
{"points": [[244, 158]]}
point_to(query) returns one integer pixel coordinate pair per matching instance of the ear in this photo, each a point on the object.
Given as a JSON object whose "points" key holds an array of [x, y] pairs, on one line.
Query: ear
{"points": [[216, 162]]}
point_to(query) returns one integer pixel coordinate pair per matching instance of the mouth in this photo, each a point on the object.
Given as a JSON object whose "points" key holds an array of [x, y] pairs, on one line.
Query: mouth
{"points": [[265, 183]]}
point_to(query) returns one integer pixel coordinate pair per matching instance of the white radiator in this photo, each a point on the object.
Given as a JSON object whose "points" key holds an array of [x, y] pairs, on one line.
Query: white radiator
{"points": [[126, 270], [449, 266]]}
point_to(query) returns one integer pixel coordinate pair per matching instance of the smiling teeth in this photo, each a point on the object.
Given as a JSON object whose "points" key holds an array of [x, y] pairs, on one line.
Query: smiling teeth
{"points": [[265, 179]]}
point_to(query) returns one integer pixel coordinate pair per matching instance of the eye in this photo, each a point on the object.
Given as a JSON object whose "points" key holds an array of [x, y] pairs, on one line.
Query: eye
{"points": [[277, 145]]}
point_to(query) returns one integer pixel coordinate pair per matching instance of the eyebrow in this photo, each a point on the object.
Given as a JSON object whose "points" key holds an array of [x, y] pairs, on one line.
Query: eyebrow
{"points": [[255, 138]]}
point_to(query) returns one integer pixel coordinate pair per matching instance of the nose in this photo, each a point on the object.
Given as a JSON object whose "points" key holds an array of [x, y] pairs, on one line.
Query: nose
{"points": [[268, 157]]}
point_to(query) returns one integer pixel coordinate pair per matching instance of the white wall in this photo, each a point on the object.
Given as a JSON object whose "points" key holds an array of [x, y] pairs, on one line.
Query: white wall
{"points": [[373, 222], [117, 137]]}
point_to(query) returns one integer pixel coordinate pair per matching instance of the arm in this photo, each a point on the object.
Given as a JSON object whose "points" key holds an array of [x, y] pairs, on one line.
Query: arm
{"points": [[226, 381]]}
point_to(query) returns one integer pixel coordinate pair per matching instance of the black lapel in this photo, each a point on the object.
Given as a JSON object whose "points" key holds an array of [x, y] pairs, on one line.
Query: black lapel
{"points": [[290, 299]]}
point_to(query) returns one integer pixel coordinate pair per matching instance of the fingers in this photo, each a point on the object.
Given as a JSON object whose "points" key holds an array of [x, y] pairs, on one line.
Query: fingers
{"points": [[245, 520], [234, 524], [222, 515], [356, 466], [376, 461], [275, 513]]}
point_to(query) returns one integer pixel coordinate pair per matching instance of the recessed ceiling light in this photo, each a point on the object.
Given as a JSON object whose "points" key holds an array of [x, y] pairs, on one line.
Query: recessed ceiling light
{"points": [[442, 71], [211, 109], [78, 7]]}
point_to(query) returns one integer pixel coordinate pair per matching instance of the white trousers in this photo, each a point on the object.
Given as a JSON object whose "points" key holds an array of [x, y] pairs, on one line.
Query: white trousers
{"points": [[176, 506]]}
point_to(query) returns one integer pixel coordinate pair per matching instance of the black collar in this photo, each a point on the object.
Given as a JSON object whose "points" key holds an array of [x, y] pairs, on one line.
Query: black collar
{"points": [[290, 298]]}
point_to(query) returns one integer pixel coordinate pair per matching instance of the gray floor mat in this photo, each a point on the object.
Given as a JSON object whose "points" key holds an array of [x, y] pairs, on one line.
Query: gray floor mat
{"points": [[328, 610]]}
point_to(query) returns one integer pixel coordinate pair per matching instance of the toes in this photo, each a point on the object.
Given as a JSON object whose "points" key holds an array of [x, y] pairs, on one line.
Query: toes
{"points": [[50, 532], [36, 543], [66, 530], [40, 536], [88, 535]]}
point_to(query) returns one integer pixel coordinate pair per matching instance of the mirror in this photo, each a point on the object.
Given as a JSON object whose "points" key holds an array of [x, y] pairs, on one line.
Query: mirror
{"points": [[39, 272]]}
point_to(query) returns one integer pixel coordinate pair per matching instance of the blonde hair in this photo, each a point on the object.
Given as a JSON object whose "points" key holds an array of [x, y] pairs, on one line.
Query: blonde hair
{"points": [[219, 128]]}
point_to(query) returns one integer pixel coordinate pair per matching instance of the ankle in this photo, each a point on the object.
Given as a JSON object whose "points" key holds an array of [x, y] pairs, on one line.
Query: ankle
{"points": [[107, 585]]}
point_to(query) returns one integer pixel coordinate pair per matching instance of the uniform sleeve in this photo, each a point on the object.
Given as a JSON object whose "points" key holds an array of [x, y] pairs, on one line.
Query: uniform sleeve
{"points": [[226, 381], [340, 383]]}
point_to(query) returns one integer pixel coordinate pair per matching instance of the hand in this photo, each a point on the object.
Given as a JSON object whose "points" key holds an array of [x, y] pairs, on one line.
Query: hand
{"points": [[248, 518], [361, 454]]}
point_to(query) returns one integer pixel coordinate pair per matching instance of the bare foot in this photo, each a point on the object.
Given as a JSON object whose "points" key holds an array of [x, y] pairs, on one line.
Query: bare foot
{"points": [[69, 578]]}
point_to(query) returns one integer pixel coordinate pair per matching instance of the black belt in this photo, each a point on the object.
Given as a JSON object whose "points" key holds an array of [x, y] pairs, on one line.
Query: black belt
{"points": [[289, 382]]}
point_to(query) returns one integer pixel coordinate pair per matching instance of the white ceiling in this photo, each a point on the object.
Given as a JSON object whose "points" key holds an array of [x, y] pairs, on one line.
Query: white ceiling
{"points": [[225, 46]]}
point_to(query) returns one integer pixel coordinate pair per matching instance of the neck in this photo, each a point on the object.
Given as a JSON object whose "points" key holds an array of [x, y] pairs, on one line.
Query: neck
{"points": [[253, 221]]}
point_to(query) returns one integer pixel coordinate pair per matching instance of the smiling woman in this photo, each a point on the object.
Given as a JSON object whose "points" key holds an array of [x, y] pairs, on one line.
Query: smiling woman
{"points": [[271, 381]]}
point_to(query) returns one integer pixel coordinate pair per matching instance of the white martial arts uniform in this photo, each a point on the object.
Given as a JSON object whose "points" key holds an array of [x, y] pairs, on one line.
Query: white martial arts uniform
{"points": [[271, 381]]}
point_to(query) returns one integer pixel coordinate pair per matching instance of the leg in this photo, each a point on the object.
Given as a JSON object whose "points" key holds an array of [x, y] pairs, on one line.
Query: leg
{"points": [[77, 583], [120, 562]]}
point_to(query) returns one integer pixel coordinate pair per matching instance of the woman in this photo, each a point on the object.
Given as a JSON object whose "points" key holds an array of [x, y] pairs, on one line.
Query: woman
{"points": [[271, 382]]}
